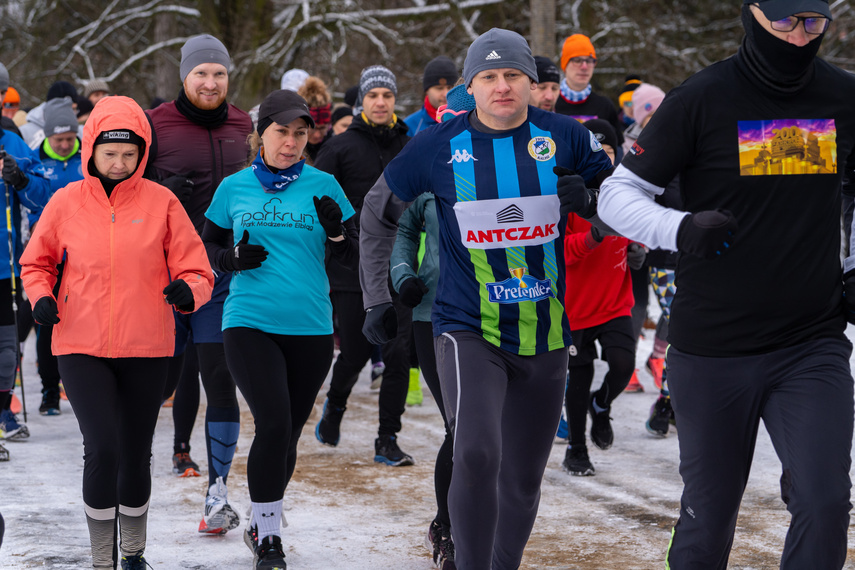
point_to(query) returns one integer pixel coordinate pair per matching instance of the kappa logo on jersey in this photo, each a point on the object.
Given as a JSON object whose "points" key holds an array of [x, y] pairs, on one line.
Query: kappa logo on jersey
{"points": [[510, 215], [541, 148], [508, 222], [596, 139], [519, 287], [461, 156], [492, 55]]}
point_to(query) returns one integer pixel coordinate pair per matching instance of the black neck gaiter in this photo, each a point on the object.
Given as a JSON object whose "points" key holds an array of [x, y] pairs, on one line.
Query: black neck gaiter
{"points": [[210, 119], [774, 63]]}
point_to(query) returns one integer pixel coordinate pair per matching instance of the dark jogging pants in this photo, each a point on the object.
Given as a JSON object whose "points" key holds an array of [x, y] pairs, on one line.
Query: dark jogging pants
{"points": [[804, 395], [503, 410]]}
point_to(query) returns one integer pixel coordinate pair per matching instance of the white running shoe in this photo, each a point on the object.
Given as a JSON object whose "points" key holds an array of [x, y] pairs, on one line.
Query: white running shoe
{"points": [[219, 516]]}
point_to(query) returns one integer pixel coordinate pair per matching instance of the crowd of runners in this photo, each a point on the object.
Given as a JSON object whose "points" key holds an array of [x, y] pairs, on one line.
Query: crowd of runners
{"points": [[496, 243]]}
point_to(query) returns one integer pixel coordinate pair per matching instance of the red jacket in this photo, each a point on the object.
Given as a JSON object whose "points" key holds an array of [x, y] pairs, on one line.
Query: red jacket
{"points": [[599, 286], [119, 254]]}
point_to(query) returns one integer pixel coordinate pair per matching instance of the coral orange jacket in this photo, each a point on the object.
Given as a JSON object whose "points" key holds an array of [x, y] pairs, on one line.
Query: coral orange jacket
{"points": [[119, 254]]}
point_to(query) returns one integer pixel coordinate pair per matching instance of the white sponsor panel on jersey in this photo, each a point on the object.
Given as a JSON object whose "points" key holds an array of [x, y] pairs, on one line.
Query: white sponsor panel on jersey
{"points": [[508, 222]]}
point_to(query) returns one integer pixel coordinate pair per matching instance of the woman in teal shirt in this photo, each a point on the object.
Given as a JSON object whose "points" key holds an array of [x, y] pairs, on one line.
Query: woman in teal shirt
{"points": [[277, 320]]}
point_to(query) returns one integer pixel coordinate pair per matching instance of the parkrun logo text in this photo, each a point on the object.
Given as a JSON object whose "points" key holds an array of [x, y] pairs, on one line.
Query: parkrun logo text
{"points": [[511, 234], [271, 216], [519, 287]]}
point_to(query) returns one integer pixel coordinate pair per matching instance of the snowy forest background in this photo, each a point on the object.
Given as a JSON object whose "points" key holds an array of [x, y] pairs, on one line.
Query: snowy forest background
{"points": [[135, 44]]}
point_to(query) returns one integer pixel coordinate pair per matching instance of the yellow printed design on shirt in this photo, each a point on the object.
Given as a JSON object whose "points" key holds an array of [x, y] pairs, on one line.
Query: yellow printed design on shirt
{"points": [[787, 146]]}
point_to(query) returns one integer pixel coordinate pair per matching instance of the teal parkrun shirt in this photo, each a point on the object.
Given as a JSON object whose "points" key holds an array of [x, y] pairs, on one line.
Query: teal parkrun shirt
{"points": [[501, 235], [289, 293]]}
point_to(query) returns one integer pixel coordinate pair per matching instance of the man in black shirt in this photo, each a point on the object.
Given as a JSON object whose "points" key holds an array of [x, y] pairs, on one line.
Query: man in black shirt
{"points": [[761, 142]]}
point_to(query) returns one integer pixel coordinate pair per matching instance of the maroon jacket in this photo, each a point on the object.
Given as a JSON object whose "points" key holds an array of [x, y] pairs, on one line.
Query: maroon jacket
{"points": [[182, 146]]}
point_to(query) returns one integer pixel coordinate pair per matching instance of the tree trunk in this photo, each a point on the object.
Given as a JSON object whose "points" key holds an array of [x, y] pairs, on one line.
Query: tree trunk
{"points": [[543, 28]]}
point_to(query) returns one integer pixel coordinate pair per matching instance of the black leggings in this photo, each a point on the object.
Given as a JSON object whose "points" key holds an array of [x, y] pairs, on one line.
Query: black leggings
{"points": [[116, 402], [423, 336], [279, 376]]}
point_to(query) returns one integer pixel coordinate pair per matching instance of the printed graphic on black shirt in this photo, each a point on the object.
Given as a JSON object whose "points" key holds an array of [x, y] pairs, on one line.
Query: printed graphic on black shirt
{"points": [[584, 118], [787, 146]]}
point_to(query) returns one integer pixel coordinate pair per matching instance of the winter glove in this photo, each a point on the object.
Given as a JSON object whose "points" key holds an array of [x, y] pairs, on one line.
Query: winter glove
{"points": [[381, 324], [329, 215], [178, 293], [593, 238], [635, 256], [46, 312], [707, 234], [574, 196], [181, 186], [246, 255], [412, 291], [12, 174], [848, 296]]}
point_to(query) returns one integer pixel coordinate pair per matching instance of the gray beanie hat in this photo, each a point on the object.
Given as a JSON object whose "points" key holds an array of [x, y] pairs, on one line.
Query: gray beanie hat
{"points": [[94, 86], [202, 49], [4, 78], [376, 76], [498, 49], [59, 117]]}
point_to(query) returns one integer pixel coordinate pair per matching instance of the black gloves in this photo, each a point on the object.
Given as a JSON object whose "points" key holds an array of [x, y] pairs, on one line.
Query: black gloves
{"points": [[574, 196], [411, 292], [178, 293], [46, 312], [707, 234], [329, 215], [246, 255], [181, 186], [848, 296], [381, 324], [12, 175], [635, 255]]}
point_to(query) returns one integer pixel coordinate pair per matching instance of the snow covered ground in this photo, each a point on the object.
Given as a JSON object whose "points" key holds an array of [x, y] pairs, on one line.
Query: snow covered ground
{"points": [[347, 512]]}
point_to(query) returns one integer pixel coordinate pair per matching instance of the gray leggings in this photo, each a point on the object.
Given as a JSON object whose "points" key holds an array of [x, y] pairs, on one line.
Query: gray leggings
{"points": [[503, 410]]}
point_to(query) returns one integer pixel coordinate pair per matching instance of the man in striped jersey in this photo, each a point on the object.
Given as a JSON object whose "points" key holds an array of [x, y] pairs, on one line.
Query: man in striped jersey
{"points": [[499, 322]]}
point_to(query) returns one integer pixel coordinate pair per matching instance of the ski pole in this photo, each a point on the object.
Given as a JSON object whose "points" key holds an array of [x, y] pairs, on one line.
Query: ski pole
{"points": [[14, 290]]}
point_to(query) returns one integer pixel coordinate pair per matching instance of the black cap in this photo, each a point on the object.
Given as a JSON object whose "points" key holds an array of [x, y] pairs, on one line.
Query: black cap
{"points": [[547, 71], [780, 9], [283, 106]]}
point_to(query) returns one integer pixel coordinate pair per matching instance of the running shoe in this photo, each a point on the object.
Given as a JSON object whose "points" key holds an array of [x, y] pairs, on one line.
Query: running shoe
{"points": [[328, 430], [415, 396], [654, 366], [136, 562], [446, 551], [11, 429], [4, 453], [576, 461], [182, 464], [50, 402], [386, 451], [434, 535], [601, 426], [660, 417], [377, 370], [250, 536], [219, 517], [269, 554], [634, 385]]}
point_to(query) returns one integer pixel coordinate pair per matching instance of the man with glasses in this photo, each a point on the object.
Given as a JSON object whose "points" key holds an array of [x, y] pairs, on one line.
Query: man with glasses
{"points": [[576, 97], [761, 142]]}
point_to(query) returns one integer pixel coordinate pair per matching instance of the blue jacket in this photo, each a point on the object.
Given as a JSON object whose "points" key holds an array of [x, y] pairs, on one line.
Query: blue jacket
{"points": [[418, 221], [33, 196], [59, 173], [419, 121]]}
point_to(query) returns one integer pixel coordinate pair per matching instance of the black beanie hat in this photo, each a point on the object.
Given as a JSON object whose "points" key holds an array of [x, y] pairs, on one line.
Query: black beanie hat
{"points": [[61, 89], [340, 113], [439, 71], [603, 131], [547, 71], [350, 96]]}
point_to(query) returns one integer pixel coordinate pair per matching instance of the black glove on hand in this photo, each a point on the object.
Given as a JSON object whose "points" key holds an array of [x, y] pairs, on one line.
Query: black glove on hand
{"points": [[412, 291], [574, 196], [247, 255], [46, 312], [848, 296], [707, 234], [329, 215], [635, 255], [181, 186], [381, 324], [178, 293], [12, 174]]}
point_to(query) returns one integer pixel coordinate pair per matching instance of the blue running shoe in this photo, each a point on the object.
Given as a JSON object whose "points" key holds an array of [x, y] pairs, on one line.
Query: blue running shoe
{"points": [[328, 430]]}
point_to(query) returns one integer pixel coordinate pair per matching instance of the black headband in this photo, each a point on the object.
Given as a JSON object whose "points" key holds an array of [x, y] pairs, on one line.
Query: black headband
{"points": [[119, 136]]}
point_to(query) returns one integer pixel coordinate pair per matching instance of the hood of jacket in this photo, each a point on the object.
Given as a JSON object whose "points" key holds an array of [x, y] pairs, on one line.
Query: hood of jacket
{"points": [[115, 113]]}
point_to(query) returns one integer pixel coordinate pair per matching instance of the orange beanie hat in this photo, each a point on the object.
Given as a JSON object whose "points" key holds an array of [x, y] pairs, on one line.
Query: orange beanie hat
{"points": [[575, 46]]}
